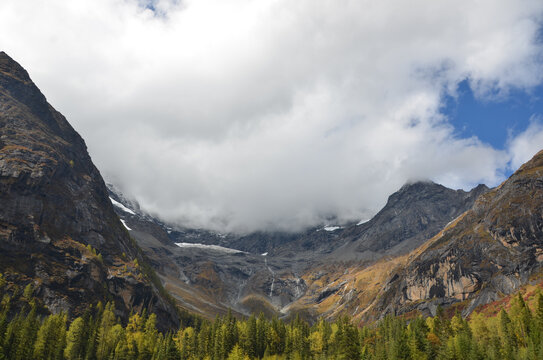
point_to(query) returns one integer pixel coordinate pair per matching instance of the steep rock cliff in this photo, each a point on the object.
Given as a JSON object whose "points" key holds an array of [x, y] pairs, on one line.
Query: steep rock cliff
{"points": [[58, 230], [489, 251]]}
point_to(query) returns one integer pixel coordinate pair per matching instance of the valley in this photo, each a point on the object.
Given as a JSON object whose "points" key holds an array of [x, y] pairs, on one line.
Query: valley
{"points": [[70, 244], [428, 247]]}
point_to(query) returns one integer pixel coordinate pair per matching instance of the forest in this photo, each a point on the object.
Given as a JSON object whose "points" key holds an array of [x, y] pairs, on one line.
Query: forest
{"points": [[27, 333]]}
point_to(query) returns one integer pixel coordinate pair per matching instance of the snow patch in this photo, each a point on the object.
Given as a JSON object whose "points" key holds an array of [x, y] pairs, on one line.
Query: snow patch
{"points": [[332, 228], [264, 254], [208, 247], [363, 221], [121, 206], [124, 223]]}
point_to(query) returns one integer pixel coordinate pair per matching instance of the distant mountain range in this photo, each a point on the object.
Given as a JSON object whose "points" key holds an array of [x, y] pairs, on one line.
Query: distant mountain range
{"points": [[287, 273], [77, 242]]}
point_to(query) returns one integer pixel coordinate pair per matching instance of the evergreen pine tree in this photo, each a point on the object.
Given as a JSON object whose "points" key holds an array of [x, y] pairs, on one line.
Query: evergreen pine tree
{"points": [[75, 340], [92, 323], [252, 341], [261, 334], [50, 338], [237, 354], [349, 343], [167, 349], [507, 337], [27, 335], [4, 309], [11, 336], [150, 338]]}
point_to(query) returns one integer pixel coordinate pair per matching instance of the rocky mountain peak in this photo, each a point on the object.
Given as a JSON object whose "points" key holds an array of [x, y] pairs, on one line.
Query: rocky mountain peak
{"points": [[490, 250], [17, 84], [56, 216], [416, 189], [535, 162], [413, 214], [8, 66], [423, 189]]}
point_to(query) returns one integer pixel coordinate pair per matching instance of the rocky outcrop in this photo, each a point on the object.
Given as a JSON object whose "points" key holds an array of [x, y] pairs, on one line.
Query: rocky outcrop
{"points": [[412, 215], [58, 229], [492, 250]]}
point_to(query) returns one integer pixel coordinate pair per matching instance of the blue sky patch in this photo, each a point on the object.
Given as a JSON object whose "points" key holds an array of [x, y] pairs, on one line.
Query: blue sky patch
{"points": [[493, 122]]}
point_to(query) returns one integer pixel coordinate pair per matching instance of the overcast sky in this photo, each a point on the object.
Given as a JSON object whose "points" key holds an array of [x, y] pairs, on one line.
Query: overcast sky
{"points": [[239, 115]]}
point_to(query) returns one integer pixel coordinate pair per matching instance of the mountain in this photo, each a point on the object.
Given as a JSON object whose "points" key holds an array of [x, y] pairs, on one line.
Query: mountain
{"points": [[58, 229], [488, 251], [411, 215], [272, 271], [492, 250], [428, 246], [71, 241], [202, 273]]}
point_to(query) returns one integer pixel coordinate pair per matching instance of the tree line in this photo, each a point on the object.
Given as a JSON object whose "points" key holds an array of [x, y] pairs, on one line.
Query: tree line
{"points": [[98, 334]]}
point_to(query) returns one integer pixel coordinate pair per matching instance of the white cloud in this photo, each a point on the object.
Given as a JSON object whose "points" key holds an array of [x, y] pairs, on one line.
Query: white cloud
{"points": [[242, 115], [525, 145]]}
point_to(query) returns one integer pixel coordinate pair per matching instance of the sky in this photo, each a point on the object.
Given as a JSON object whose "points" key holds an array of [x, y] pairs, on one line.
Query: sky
{"points": [[244, 115]]}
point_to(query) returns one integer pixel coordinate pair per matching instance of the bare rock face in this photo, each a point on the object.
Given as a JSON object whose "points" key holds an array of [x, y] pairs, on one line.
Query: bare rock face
{"points": [[411, 216], [58, 229], [491, 250]]}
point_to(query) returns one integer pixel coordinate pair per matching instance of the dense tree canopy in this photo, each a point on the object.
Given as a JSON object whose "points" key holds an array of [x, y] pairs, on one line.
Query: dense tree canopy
{"points": [[513, 334]]}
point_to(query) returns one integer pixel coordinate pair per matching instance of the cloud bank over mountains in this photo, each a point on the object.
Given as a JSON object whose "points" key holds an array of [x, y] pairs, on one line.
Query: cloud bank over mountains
{"points": [[242, 115]]}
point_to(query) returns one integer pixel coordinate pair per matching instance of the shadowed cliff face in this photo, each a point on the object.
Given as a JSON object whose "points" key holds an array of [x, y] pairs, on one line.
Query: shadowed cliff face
{"points": [[53, 204]]}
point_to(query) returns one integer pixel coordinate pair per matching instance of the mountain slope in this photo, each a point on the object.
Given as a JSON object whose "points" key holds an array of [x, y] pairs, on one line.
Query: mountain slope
{"points": [[488, 251], [492, 250], [411, 215], [58, 229], [210, 281]]}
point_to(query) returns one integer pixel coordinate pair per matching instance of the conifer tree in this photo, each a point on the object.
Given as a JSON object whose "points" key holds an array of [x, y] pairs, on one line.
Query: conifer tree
{"points": [[149, 338], [92, 324], [121, 350], [237, 354], [50, 338], [417, 333], [230, 333], [539, 310], [167, 350], [204, 340], [349, 343], [277, 337], [522, 319], [27, 335], [187, 343], [251, 347], [75, 341], [107, 322], [11, 336], [507, 337], [4, 310], [261, 330]]}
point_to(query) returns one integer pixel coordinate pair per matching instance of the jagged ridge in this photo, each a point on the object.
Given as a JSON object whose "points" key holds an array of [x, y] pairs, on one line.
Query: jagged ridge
{"points": [[56, 217]]}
